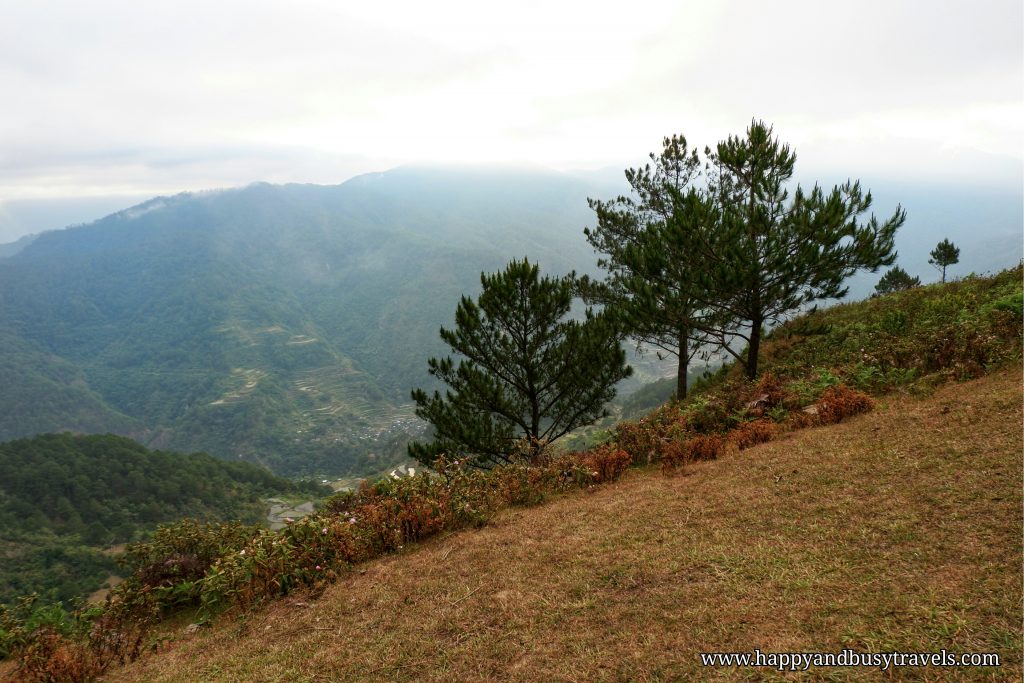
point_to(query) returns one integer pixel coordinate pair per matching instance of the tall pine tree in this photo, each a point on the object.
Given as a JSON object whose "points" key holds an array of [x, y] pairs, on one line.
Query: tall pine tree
{"points": [[770, 254], [650, 294], [528, 374]]}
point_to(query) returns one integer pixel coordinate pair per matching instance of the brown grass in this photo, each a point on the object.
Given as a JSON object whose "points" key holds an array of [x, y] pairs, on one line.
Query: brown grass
{"points": [[896, 530]]}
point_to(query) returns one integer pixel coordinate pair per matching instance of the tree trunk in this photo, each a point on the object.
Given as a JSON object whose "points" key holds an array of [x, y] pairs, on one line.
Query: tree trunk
{"points": [[754, 349], [535, 445], [684, 364]]}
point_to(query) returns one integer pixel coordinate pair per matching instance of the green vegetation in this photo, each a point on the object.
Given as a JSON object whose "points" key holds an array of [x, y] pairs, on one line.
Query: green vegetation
{"points": [[956, 330], [528, 375], [896, 280], [65, 499]]}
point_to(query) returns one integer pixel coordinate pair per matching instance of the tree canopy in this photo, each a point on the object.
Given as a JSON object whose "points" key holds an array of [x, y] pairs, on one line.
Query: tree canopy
{"points": [[650, 294], [528, 373], [896, 280], [944, 255], [742, 250]]}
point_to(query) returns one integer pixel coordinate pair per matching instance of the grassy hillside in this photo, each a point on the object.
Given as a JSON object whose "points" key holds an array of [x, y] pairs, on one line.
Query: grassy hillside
{"points": [[850, 534], [899, 530], [65, 499]]}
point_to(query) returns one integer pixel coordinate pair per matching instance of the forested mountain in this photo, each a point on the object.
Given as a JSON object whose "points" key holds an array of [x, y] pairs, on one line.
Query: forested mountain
{"points": [[64, 498], [281, 324]]}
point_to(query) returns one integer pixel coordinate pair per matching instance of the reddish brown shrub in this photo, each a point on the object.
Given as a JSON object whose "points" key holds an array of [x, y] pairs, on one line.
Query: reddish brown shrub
{"points": [[807, 417], [840, 402], [52, 656], [639, 438], [676, 454], [766, 394], [706, 446], [751, 433], [524, 485], [606, 462]]}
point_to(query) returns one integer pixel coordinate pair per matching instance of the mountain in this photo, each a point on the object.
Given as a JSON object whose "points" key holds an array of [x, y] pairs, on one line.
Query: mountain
{"points": [[280, 324], [27, 217], [287, 324]]}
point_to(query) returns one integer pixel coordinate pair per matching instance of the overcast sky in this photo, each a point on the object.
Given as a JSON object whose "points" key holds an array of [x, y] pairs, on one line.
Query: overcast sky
{"points": [[105, 98]]}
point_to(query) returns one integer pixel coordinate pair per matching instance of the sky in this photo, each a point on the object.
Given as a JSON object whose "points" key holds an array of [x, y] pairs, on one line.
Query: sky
{"points": [[141, 98]]}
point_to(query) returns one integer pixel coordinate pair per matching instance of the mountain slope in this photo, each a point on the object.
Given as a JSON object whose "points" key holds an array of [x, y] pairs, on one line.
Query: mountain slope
{"points": [[899, 530], [281, 324]]}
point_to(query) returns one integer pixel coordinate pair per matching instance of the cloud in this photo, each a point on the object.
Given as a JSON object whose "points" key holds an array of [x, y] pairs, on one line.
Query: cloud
{"points": [[122, 96]]}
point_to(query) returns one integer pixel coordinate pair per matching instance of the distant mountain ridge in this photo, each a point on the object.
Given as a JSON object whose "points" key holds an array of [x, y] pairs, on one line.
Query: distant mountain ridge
{"points": [[281, 324], [286, 324]]}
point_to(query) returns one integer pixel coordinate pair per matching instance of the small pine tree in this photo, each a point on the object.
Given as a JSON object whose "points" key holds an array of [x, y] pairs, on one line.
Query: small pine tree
{"points": [[896, 280], [943, 255], [528, 376]]}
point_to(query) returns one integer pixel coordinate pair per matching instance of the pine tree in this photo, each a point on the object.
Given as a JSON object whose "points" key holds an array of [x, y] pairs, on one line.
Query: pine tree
{"points": [[649, 293], [770, 255], [896, 280], [943, 255], [528, 374]]}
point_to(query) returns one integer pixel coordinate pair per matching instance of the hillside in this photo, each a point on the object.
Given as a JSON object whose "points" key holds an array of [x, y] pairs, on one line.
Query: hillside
{"points": [[898, 530], [853, 523], [64, 500], [282, 324]]}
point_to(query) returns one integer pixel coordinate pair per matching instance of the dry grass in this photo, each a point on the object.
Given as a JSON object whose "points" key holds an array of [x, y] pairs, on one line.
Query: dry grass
{"points": [[897, 530]]}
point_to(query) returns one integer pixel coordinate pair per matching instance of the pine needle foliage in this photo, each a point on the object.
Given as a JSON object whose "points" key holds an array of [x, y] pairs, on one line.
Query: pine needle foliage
{"points": [[896, 280], [771, 253], [648, 289], [719, 260], [944, 255], [528, 373]]}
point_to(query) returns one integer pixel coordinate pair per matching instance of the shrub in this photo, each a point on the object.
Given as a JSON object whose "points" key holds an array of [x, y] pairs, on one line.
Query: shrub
{"points": [[164, 571], [840, 402], [49, 644], [679, 453], [644, 438], [522, 485], [607, 462], [766, 394], [710, 415], [752, 433]]}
